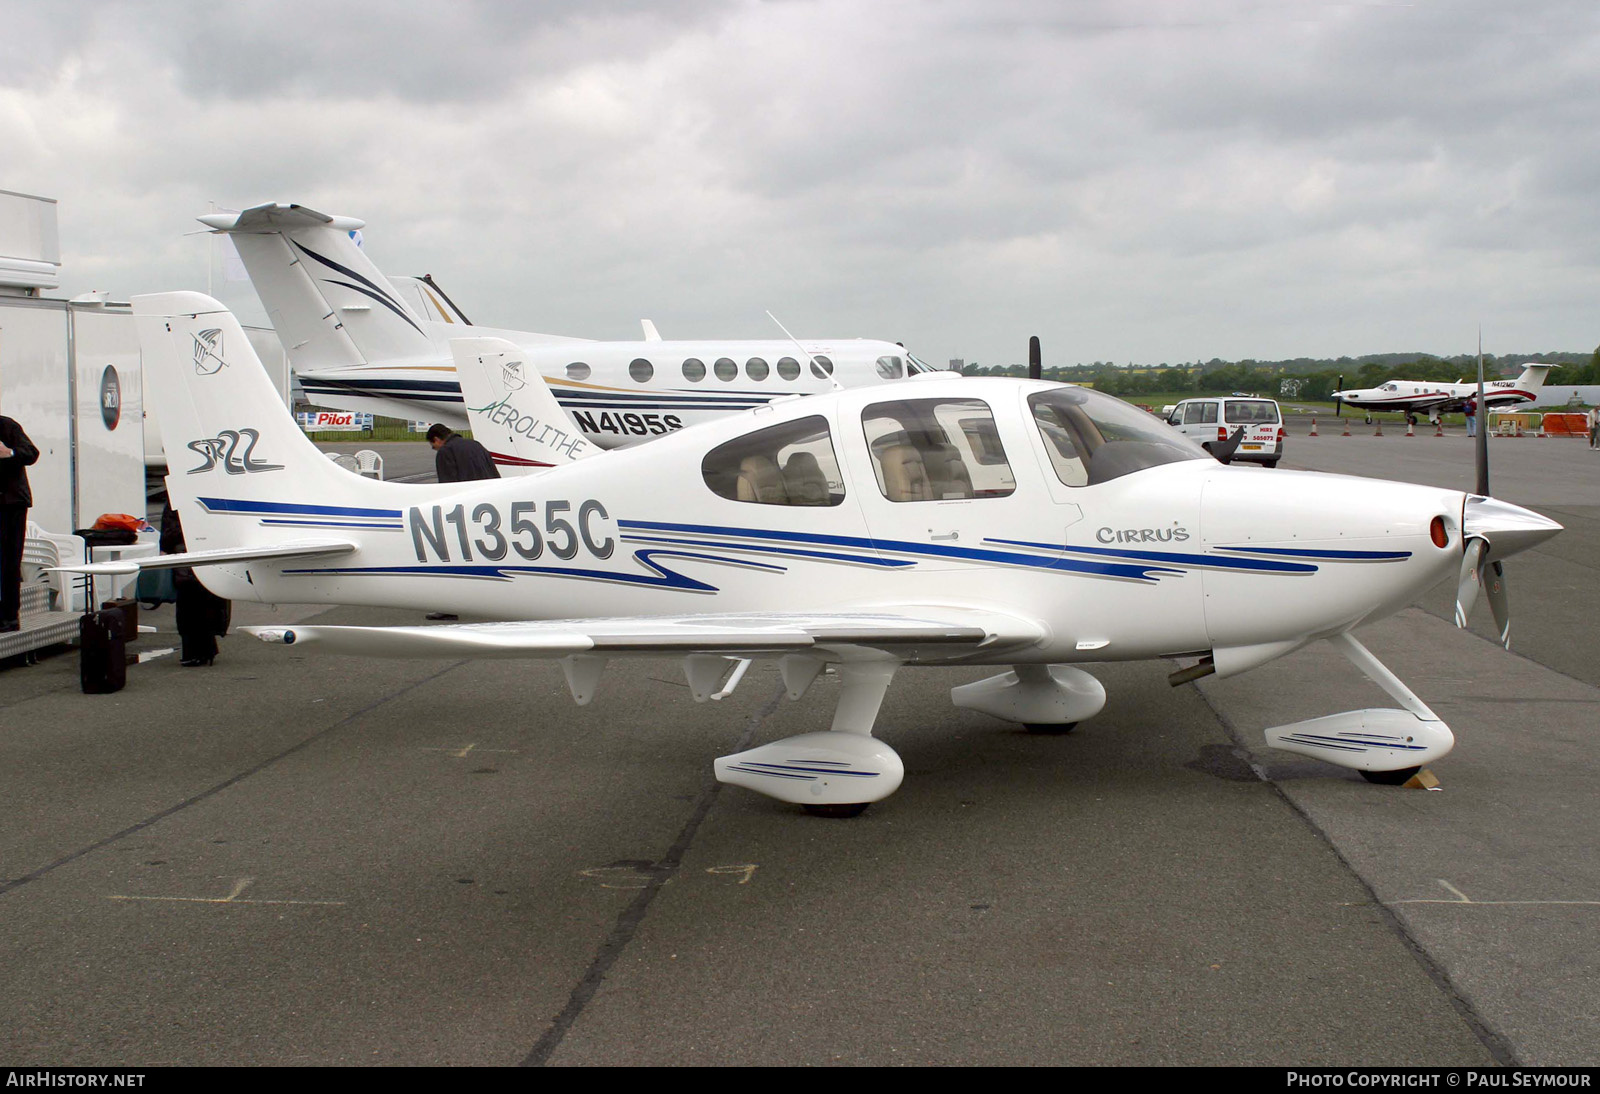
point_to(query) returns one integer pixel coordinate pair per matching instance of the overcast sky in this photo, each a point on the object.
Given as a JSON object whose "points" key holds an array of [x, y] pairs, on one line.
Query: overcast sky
{"points": [[1132, 180]]}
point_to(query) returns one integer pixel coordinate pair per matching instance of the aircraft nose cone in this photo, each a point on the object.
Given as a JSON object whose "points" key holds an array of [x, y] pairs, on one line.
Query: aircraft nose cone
{"points": [[1508, 528]]}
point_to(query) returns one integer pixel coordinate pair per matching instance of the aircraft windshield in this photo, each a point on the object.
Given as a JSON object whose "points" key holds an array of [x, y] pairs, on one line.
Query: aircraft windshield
{"points": [[1093, 438]]}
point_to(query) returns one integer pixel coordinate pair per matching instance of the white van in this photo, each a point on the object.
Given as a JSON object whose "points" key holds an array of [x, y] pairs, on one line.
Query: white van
{"points": [[1213, 421]]}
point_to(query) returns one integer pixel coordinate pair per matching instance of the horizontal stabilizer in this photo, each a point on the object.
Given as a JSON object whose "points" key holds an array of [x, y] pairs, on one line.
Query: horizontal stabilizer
{"points": [[220, 556]]}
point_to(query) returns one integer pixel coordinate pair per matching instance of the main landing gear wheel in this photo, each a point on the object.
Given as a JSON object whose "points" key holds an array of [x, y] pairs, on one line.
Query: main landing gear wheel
{"points": [[1391, 778], [838, 811], [1050, 728]]}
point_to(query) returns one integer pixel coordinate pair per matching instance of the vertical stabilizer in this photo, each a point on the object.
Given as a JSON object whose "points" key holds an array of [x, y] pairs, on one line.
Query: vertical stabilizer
{"points": [[1533, 377], [331, 306], [239, 470], [511, 410]]}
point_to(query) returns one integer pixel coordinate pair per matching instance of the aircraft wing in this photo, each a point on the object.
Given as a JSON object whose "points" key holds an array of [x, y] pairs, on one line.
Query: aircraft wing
{"points": [[899, 633], [220, 556]]}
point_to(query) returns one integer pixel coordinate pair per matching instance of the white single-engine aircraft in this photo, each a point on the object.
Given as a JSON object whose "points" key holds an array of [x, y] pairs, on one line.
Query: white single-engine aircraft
{"points": [[1415, 397], [1028, 525], [357, 343]]}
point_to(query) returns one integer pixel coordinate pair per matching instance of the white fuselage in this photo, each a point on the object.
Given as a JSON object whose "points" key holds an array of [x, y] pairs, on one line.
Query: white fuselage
{"points": [[622, 392], [1185, 557], [1419, 396]]}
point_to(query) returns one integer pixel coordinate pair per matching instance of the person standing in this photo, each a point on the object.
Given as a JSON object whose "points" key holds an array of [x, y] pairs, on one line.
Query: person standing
{"points": [[17, 454], [201, 614], [459, 459], [1471, 411]]}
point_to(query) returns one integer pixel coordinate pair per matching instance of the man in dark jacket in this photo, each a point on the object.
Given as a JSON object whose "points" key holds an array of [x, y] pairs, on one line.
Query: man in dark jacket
{"points": [[459, 459], [17, 453]]}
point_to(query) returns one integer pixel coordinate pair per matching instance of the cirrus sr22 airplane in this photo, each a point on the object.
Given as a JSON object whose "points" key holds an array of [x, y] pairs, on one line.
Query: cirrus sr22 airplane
{"points": [[1034, 527]]}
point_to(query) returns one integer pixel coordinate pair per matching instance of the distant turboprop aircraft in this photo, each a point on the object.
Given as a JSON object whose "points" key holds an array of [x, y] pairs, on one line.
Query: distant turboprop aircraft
{"points": [[1416, 397], [357, 343], [1032, 526]]}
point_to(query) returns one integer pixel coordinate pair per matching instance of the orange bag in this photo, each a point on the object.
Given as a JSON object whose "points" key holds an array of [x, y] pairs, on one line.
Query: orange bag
{"points": [[124, 521]]}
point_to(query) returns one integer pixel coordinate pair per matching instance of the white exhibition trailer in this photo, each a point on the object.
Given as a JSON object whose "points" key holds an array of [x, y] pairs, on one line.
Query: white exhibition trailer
{"points": [[70, 375]]}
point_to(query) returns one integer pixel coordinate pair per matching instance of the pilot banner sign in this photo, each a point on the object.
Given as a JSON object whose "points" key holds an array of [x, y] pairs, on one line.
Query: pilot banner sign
{"points": [[334, 421]]}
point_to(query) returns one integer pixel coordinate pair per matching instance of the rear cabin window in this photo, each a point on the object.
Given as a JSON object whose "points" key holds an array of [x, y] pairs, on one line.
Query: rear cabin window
{"points": [[725, 369], [1252, 412], [788, 464], [821, 367], [1200, 414], [937, 450]]}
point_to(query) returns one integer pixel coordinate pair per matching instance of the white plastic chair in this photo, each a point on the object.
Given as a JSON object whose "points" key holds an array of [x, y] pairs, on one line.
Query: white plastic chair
{"points": [[369, 464]]}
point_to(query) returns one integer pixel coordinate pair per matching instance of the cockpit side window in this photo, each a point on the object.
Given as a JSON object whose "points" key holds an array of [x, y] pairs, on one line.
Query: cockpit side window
{"points": [[1093, 438], [891, 367], [936, 450], [788, 464]]}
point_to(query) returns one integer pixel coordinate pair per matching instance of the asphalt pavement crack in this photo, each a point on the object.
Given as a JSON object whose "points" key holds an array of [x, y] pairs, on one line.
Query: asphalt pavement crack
{"points": [[632, 916]]}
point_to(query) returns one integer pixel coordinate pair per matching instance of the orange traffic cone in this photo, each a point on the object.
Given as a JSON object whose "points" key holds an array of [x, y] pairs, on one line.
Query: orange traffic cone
{"points": [[1313, 432]]}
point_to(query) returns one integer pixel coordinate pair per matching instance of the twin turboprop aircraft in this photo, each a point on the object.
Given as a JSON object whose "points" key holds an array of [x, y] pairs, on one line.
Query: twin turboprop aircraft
{"points": [[1415, 397], [1032, 526], [358, 343]]}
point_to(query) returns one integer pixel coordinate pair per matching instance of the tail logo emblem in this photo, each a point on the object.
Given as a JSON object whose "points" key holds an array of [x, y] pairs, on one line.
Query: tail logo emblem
{"points": [[208, 352], [511, 376]]}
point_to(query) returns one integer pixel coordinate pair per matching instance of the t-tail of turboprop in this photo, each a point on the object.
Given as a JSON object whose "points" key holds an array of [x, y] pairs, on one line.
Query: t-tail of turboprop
{"points": [[325, 297], [511, 410], [1533, 378]]}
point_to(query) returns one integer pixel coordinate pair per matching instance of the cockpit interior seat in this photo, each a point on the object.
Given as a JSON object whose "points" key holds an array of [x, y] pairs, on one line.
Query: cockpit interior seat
{"points": [[905, 478], [804, 481], [761, 481], [947, 472]]}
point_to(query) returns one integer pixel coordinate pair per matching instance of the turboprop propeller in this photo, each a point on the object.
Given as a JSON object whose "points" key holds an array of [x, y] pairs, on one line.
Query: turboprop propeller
{"points": [[1491, 532]]}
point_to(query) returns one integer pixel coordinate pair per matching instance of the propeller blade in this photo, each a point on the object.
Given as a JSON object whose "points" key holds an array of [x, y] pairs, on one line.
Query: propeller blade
{"points": [[1469, 582], [1035, 360], [1481, 412], [1494, 583], [1338, 404]]}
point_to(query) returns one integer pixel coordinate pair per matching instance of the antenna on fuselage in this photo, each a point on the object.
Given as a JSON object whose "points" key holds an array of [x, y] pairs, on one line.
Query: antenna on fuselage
{"points": [[810, 361], [1035, 360]]}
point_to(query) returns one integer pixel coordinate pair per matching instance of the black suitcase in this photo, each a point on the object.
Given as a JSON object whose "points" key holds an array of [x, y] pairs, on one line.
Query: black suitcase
{"points": [[103, 656], [129, 608]]}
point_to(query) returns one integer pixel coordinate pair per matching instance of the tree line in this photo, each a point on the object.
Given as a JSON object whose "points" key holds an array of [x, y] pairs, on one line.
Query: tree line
{"points": [[1319, 378]]}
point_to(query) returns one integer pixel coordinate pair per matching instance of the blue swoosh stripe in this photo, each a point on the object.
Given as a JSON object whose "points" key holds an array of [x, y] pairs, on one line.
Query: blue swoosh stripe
{"points": [[1332, 556], [1174, 557], [795, 552], [971, 554], [662, 579], [230, 505]]}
